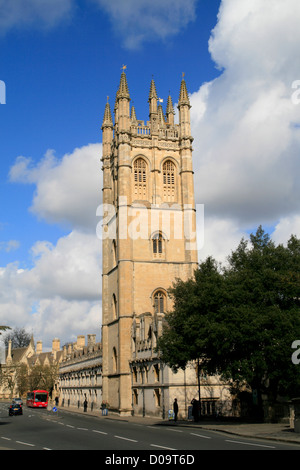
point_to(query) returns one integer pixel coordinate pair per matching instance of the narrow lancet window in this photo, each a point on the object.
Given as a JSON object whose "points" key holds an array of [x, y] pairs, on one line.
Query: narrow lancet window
{"points": [[159, 302], [169, 189], [140, 179]]}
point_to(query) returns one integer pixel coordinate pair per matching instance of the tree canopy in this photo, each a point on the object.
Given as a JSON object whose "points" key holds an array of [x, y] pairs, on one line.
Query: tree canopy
{"points": [[4, 328], [19, 337], [241, 319]]}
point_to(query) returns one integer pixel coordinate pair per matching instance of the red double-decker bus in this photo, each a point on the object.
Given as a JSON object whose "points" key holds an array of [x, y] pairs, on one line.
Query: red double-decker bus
{"points": [[37, 399]]}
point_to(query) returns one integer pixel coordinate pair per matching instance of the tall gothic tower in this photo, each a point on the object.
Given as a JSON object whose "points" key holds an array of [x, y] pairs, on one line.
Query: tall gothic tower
{"points": [[149, 228]]}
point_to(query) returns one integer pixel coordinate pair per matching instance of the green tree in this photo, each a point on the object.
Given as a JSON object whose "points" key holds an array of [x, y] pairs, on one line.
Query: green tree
{"points": [[4, 328], [19, 337], [22, 379], [242, 319], [43, 377]]}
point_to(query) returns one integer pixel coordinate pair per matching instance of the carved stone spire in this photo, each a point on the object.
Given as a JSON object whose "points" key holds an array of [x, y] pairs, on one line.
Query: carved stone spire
{"points": [[123, 91], [107, 120], [122, 106], [170, 111], [161, 117], [183, 95], [152, 94], [133, 115], [184, 112]]}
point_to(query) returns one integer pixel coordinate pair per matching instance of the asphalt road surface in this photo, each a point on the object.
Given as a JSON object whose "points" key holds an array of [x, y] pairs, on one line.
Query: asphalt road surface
{"points": [[45, 430]]}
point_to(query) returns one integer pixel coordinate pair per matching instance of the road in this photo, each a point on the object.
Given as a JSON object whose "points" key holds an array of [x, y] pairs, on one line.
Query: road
{"points": [[44, 430]]}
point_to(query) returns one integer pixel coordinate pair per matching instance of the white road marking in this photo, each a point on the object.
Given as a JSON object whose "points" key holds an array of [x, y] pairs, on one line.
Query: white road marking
{"points": [[199, 435], [162, 447], [250, 444], [100, 432], [125, 439], [25, 443]]}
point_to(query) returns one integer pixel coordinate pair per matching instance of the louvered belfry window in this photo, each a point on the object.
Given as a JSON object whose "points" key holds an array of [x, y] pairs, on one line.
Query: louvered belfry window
{"points": [[140, 179], [169, 181]]}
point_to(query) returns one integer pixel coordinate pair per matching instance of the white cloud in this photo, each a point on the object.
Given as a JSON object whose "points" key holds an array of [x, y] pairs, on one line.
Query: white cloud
{"points": [[139, 21], [61, 294], [11, 245], [65, 320], [40, 13], [221, 237], [286, 227], [136, 21], [68, 191], [70, 270], [246, 126]]}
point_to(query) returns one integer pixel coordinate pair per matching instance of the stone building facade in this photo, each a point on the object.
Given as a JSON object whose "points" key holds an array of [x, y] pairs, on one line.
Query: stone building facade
{"points": [[80, 374], [149, 240]]}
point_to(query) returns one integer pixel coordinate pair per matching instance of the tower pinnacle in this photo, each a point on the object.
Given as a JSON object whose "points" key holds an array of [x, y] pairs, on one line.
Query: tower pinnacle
{"points": [[123, 91], [183, 95], [107, 120]]}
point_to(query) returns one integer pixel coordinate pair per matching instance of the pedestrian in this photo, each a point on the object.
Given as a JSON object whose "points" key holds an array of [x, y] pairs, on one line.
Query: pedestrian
{"points": [[85, 404], [195, 410], [175, 409]]}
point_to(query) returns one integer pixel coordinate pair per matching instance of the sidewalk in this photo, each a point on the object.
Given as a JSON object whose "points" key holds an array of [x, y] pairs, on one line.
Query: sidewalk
{"points": [[271, 431], [276, 432]]}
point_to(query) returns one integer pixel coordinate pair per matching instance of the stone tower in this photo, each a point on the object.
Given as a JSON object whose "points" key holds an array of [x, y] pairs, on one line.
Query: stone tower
{"points": [[149, 226]]}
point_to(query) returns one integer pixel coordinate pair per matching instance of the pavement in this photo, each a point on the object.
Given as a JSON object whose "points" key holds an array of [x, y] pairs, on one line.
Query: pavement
{"points": [[282, 432]]}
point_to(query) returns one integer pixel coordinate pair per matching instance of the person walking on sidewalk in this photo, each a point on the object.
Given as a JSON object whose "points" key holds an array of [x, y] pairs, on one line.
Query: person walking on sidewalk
{"points": [[175, 409], [195, 410]]}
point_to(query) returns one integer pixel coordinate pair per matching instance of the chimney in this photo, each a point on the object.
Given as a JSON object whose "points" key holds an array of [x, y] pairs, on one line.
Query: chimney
{"points": [[9, 356], [80, 342], [55, 346], [39, 347]]}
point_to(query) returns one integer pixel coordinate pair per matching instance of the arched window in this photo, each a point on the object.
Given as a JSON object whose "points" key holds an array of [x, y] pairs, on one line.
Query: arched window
{"points": [[169, 173], [140, 178], [158, 245], [159, 302]]}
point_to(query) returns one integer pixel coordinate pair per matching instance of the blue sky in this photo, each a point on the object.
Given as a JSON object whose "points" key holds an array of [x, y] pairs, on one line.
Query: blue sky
{"points": [[57, 80], [60, 59]]}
